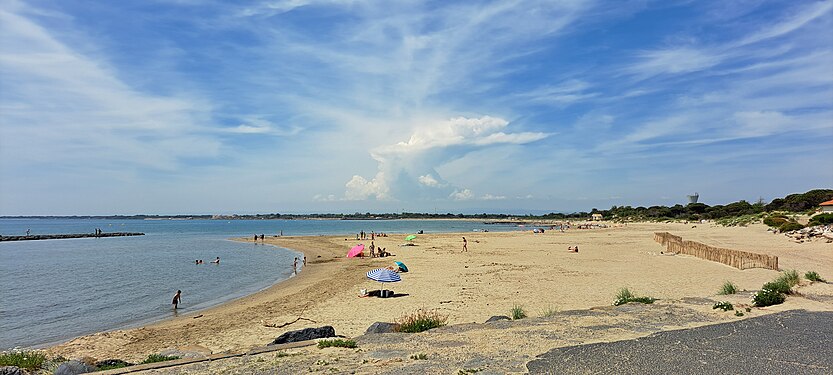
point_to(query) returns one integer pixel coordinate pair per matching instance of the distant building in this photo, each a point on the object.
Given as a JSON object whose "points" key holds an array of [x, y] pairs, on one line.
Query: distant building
{"points": [[827, 207], [596, 217], [693, 198]]}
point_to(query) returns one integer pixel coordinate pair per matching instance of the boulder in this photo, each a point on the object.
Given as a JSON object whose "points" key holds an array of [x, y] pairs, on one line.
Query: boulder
{"points": [[498, 317], [382, 327], [305, 334], [74, 368], [10, 370]]}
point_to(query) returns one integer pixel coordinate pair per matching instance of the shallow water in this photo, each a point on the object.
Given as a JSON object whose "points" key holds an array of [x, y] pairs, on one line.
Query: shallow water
{"points": [[54, 290]]}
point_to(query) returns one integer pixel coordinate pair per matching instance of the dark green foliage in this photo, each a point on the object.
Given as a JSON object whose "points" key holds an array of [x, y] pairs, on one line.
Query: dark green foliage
{"points": [[786, 227], [153, 358], [790, 277], [778, 285], [518, 312], [26, 359], [738, 313], [725, 306], [801, 202], [625, 296], [111, 367], [813, 276], [337, 343], [421, 321], [821, 219], [776, 221], [767, 297], [419, 356]]}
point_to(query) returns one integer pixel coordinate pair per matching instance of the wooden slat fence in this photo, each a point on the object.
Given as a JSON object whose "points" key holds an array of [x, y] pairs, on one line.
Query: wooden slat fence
{"points": [[735, 258]]}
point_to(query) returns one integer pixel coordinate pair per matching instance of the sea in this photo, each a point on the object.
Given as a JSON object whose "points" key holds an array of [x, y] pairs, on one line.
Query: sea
{"points": [[54, 290]]}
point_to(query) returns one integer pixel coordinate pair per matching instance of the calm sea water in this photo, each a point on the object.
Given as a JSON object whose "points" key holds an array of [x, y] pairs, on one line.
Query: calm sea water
{"points": [[54, 290]]}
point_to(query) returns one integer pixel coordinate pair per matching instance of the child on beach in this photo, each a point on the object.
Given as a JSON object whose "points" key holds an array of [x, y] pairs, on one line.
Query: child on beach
{"points": [[177, 299]]}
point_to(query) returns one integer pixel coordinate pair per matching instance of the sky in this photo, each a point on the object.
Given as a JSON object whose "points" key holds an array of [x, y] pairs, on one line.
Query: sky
{"points": [[307, 106]]}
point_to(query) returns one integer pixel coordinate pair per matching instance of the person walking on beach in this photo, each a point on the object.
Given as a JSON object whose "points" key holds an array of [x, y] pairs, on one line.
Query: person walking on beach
{"points": [[177, 299], [465, 245]]}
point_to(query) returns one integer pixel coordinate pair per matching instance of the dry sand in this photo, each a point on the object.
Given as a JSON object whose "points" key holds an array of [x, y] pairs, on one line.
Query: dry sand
{"points": [[499, 271]]}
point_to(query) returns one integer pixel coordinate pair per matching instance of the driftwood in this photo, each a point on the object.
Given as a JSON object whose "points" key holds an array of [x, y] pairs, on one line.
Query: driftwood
{"points": [[300, 317]]}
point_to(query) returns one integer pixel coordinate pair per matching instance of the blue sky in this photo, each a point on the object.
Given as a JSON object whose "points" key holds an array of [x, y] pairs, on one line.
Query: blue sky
{"points": [[189, 106]]}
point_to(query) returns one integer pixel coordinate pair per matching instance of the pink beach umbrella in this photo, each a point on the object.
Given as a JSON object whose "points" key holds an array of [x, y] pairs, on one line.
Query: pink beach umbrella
{"points": [[356, 250]]}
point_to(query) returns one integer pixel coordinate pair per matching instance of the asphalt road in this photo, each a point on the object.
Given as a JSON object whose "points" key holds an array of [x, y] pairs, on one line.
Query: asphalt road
{"points": [[791, 342]]}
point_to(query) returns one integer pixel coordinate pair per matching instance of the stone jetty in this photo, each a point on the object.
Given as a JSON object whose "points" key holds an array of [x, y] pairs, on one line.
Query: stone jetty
{"points": [[33, 237]]}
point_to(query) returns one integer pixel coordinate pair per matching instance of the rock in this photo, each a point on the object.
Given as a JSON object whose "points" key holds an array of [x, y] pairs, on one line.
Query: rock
{"points": [[74, 368], [10, 370], [112, 363], [498, 317], [305, 334], [382, 327], [183, 353]]}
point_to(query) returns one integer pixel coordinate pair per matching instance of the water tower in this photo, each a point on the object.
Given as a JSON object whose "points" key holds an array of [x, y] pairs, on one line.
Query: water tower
{"points": [[693, 198]]}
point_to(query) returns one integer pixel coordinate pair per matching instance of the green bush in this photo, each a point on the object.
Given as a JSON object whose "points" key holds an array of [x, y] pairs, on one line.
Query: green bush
{"points": [[26, 359], [153, 358], [421, 321], [518, 312], [776, 221], [337, 343], [813, 276], [821, 219], [725, 306], [767, 297], [728, 288], [786, 227], [779, 286], [419, 356]]}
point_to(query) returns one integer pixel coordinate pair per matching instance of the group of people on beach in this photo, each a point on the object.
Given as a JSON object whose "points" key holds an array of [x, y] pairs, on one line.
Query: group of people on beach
{"points": [[199, 261], [372, 235], [378, 252]]}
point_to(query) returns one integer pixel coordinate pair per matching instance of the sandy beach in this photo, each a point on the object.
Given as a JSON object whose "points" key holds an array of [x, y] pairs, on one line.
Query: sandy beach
{"points": [[499, 271]]}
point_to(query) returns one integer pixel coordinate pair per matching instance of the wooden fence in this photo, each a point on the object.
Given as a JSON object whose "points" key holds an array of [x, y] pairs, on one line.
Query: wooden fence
{"points": [[735, 258]]}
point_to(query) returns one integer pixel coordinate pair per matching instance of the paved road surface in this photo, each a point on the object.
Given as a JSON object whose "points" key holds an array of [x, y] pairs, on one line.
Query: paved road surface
{"points": [[791, 342]]}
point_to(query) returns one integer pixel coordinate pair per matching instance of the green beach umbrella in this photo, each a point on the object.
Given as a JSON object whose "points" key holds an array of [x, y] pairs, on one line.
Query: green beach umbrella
{"points": [[410, 237]]}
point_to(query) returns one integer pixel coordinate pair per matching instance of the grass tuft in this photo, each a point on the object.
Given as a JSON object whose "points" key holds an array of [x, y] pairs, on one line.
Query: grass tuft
{"points": [[518, 312], [549, 312], [420, 321], [336, 343], [625, 296], [153, 358], [26, 359], [790, 277], [728, 288], [814, 276]]}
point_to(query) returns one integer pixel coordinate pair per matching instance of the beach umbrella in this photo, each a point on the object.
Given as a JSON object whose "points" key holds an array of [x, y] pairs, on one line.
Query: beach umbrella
{"points": [[383, 275], [402, 266], [356, 250], [410, 238]]}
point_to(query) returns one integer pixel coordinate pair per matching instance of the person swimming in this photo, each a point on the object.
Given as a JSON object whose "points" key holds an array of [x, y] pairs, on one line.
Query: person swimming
{"points": [[216, 260]]}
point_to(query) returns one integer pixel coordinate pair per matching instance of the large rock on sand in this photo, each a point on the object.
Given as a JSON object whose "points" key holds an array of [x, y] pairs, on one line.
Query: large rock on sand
{"points": [[382, 327], [498, 317], [305, 334], [74, 368]]}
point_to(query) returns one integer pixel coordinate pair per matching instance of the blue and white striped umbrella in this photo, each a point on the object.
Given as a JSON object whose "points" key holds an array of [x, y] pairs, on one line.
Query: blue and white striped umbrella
{"points": [[383, 275]]}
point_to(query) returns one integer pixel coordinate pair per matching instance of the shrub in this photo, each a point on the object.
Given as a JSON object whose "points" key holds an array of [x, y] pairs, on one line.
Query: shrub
{"points": [[778, 286], [518, 312], [419, 356], [624, 296], [728, 288], [725, 306], [813, 276], [26, 359], [337, 343], [821, 219], [787, 227], [776, 221], [549, 312], [768, 297], [421, 321], [790, 277], [153, 358], [738, 313]]}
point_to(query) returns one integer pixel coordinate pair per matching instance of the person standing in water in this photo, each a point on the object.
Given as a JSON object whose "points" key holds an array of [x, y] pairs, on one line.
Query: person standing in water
{"points": [[177, 299], [295, 266]]}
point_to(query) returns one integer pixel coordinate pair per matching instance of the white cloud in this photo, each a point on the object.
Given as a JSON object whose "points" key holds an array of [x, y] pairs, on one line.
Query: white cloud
{"points": [[408, 169], [462, 195], [490, 197]]}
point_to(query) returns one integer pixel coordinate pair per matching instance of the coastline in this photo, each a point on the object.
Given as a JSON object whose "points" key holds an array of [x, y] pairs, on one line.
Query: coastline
{"points": [[502, 269]]}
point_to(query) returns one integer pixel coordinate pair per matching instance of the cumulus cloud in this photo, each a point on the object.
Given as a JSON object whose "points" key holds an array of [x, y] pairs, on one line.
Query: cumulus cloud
{"points": [[407, 168], [490, 197]]}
